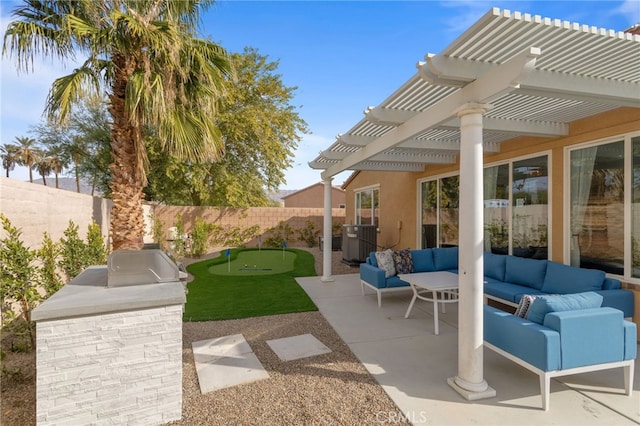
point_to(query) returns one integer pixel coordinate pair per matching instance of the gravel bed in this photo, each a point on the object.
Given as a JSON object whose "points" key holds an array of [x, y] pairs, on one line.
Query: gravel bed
{"points": [[332, 388]]}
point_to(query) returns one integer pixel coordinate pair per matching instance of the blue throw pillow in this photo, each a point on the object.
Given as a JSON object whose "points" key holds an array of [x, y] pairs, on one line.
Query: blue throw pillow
{"points": [[494, 266], [566, 279], [526, 272], [423, 260], [445, 258], [542, 305]]}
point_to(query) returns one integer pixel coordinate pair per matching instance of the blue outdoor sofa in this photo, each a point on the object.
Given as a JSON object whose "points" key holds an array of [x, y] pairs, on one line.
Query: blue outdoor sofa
{"points": [[563, 335], [507, 278]]}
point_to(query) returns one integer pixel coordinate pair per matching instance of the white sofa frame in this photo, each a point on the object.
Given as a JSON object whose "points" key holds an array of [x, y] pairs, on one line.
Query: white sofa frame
{"points": [[363, 283], [546, 376]]}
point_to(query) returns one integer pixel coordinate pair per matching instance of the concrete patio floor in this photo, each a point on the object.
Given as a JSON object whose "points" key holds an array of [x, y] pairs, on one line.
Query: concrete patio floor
{"points": [[412, 365]]}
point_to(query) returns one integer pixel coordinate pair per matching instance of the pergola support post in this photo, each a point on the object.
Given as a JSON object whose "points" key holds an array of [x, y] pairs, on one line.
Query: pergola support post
{"points": [[470, 382], [327, 232]]}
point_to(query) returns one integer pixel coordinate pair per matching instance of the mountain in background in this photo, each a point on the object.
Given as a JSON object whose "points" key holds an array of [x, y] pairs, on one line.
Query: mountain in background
{"points": [[68, 184], [280, 194]]}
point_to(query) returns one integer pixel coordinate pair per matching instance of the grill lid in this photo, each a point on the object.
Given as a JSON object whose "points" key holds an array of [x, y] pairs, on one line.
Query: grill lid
{"points": [[138, 267]]}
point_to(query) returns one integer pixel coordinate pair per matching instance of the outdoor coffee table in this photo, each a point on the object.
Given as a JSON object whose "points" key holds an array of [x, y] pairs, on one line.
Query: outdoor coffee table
{"points": [[437, 287]]}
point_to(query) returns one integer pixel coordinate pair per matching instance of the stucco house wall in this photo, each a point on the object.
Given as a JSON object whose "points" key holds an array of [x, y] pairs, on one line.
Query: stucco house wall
{"points": [[397, 204]]}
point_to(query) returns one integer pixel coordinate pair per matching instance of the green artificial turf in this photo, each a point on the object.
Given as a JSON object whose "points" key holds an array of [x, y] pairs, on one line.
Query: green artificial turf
{"points": [[222, 290]]}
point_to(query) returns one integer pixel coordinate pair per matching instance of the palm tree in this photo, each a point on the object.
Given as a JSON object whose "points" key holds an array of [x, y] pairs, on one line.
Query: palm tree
{"points": [[43, 166], [9, 155], [75, 152], [156, 72], [56, 162], [27, 153]]}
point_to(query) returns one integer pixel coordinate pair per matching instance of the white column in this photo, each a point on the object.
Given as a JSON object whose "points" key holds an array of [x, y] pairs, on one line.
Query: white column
{"points": [[470, 382], [327, 232]]}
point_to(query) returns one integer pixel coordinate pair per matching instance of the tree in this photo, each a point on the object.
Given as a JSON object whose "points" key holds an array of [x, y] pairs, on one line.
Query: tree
{"points": [[27, 153], [146, 57], [43, 165], [57, 162], [54, 139], [84, 143], [261, 131], [9, 155], [91, 126]]}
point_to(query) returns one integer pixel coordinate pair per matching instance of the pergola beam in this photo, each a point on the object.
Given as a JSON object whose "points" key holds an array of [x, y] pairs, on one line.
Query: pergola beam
{"points": [[444, 70], [523, 127], [500, 80], [422, 157], [387, 116]]}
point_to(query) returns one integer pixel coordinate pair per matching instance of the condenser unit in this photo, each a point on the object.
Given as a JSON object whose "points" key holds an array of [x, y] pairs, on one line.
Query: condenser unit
{"points": [[357, 242]]}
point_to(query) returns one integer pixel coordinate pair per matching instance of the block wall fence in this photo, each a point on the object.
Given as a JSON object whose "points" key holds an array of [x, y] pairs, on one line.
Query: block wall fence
{"points": [[36, 209], [264, 217]]}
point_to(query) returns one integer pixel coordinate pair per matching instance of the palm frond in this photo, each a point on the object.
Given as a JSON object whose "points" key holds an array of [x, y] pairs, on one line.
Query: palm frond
{"points": [[67, 90], [190, 136]]}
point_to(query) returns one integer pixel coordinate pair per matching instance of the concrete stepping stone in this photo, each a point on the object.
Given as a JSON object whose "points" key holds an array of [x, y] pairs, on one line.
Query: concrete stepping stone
{"points": [[226, 361], [296, 347]]}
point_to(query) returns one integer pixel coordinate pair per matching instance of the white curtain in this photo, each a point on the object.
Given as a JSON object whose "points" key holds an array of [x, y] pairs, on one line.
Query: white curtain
{"points": [[582, 162]]}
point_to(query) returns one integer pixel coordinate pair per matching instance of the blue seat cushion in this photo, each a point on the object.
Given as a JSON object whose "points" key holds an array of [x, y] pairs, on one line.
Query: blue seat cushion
{"points": [[545, 304], [523, 271], [445, 258], [423, 260], [396, 282], [507, 291], [565, 279], [494, 265]]}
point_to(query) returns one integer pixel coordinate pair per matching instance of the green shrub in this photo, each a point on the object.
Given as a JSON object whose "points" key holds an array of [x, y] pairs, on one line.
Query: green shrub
{"points": [[200, 237], [97, 251], [309, 234], [158, 232], [73, 252], [48, 275], [278, 234], [232, 237], [29, 276], [17, 283], [179, 246]]}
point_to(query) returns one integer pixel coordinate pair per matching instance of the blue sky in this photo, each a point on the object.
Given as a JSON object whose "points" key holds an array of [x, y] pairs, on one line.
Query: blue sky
{"points": [[343, 56]]}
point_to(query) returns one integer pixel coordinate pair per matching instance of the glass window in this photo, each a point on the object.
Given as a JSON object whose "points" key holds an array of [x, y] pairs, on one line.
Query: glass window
{"points": [[440, 212], [448, 211], [516, 209], [496, 209], [429, 192], [597, 207], [635, 208], [367, 206], [530, 211]]}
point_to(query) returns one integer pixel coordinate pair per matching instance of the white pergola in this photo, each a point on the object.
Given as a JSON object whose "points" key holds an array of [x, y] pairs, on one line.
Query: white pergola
{"points": [[508, 75]]}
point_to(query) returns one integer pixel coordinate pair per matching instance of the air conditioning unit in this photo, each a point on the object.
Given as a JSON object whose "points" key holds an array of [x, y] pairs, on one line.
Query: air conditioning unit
{"points": [[357, 242]]}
